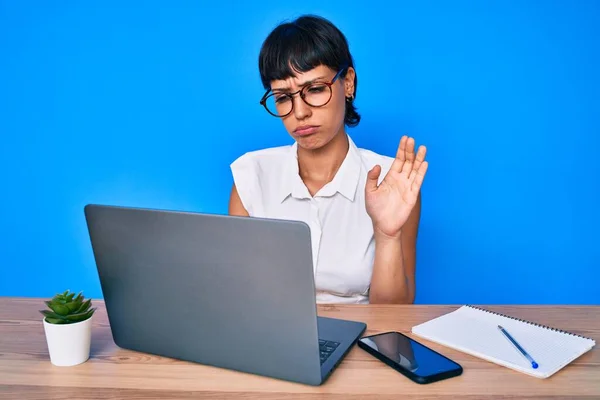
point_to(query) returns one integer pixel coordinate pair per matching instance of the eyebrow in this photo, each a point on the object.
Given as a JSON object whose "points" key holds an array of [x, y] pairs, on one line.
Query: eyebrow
{"points": [[284, 89]]}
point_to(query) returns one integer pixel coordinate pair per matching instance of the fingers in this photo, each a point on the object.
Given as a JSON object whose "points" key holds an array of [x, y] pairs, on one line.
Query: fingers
{"points": [[400, 153], [420, 157], [405, 156], [409, 155], [410, 150], [372, 178], [420, 175]]}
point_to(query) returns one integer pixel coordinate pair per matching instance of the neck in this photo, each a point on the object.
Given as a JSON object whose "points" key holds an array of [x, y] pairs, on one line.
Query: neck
{"points": [[322, 164]]}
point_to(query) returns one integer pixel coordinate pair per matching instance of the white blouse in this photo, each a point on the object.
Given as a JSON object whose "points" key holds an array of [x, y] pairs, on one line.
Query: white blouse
{"points": [[343, 245]]}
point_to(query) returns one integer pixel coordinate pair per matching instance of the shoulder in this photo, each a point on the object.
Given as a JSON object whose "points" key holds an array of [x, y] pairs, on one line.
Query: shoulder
{"points": [[261, 158], [257, 176], [370, 158]]}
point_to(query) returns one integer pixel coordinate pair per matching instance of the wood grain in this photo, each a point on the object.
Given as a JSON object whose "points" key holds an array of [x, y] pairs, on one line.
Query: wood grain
{"points": [[111, 372]]}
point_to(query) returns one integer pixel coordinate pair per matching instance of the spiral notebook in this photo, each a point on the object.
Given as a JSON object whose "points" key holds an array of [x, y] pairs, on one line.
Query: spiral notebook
{"points": [[474, 331]]}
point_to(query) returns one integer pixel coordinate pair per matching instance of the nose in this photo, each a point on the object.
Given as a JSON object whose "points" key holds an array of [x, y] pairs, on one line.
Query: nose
{"points": [[301, 109]]}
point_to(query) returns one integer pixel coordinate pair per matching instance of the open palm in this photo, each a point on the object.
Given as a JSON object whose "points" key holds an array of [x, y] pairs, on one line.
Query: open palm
{"points": [[390, 203]]}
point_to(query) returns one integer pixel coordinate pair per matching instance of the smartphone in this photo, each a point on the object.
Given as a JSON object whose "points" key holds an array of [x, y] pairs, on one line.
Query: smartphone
{"points": [[409, 357]]}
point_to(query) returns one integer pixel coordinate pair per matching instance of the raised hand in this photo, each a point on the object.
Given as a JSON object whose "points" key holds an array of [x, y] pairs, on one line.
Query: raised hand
{"points": [[390, 203]]}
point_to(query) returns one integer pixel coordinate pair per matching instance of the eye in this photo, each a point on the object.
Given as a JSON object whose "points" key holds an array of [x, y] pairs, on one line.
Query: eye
{"points": [[281, 99], [316, 88]]}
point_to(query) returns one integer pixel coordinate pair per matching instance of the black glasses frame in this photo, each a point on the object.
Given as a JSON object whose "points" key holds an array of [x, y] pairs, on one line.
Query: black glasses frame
{"points": [[263, 100]]}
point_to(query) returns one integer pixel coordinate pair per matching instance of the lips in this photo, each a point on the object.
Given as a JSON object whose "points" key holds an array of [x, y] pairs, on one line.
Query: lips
{"points": [[306, 130]]}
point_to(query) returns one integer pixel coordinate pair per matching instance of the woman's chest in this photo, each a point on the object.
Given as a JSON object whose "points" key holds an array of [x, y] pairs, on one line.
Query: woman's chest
{"points": [[341, 240]]}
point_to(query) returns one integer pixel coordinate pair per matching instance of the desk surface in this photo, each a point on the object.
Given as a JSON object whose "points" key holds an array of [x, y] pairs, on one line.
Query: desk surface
{"points": [[111, 372]]}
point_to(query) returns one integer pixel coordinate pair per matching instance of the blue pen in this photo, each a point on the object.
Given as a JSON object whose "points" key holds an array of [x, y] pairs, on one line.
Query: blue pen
{"points": [[518, 347]]}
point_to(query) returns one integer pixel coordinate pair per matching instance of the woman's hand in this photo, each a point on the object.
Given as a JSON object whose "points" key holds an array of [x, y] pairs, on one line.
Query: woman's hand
{"points": [[390, 203]]}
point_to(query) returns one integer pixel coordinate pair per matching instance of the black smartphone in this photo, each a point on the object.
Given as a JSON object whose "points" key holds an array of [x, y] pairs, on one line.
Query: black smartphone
{"points": [[409, 357]]}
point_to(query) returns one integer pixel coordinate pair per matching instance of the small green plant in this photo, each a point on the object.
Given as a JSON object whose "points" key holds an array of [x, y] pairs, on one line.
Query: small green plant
{"points": [[66, 308]]}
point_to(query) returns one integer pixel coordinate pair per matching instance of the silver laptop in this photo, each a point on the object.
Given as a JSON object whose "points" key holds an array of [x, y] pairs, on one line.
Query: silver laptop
{"points": [[226, 291]]}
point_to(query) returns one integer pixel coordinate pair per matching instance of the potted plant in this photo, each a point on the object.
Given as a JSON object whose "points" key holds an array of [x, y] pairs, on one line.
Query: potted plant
{"points": [[68, 328]]}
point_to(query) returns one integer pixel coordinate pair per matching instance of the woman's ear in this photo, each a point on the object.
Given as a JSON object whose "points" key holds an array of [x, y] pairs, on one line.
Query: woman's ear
{"points": [[349, 82]]}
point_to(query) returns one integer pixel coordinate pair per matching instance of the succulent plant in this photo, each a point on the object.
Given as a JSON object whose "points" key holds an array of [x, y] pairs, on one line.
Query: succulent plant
{"points": [[66, 308]]}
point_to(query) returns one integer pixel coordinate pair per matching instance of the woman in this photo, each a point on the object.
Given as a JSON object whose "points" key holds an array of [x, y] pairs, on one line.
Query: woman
{"points": [[363, 208]]}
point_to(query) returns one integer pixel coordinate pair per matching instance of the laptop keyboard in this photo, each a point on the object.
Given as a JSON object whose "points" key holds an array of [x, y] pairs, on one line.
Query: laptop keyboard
{"points": [[326, 348]]}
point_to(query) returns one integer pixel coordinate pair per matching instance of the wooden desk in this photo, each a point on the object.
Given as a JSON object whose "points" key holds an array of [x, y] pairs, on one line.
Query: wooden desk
{"points": [[26, 372]]}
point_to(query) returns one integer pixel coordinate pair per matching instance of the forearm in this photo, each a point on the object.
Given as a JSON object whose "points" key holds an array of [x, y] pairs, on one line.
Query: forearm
{"points": [[389, 283]]}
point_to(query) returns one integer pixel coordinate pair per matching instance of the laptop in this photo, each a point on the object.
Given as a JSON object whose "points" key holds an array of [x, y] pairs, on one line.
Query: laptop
{"points": [[220, 290]]}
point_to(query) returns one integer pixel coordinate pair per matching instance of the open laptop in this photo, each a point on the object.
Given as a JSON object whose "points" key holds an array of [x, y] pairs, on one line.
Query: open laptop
{"points": [[227, 291]]}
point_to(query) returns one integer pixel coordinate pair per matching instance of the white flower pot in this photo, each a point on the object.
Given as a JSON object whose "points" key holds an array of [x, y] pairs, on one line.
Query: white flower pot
{"points": [[68, 344]]}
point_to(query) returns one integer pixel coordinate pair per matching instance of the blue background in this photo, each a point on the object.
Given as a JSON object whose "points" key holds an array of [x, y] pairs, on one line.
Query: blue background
{"points": [[146, 104]]}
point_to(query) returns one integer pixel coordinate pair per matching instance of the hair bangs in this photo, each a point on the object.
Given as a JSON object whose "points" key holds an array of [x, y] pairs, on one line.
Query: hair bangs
{"points": [[290, 50]]}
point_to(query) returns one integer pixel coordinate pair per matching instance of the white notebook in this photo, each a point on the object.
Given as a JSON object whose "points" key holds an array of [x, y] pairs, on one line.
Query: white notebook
{"points": [[474, 331]]}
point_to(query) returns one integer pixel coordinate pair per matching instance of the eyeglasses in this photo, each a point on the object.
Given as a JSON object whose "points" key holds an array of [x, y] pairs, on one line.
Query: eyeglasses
{"points": [[316, 94]]}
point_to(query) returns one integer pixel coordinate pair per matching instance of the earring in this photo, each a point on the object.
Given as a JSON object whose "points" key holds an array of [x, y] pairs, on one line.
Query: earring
{"points": [[350, 98]]}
